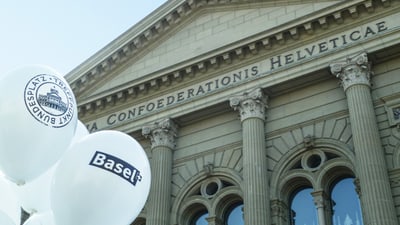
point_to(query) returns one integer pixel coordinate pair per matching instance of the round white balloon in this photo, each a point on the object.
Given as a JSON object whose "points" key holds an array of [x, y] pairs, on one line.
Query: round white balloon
{"points": [[5, 219], [9, 204], [34, 196], [80, 132], [38, 118], [43, 218], [102, 179]]}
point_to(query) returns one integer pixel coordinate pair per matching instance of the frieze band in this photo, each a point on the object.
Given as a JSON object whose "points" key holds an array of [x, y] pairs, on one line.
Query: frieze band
{"points": [[245, 74]]}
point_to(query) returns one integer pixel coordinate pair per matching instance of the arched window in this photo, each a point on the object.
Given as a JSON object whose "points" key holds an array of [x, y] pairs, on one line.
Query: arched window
{"points": [[346, 204], [200, 219], [235, 215], [303, 208], [210, 200]]}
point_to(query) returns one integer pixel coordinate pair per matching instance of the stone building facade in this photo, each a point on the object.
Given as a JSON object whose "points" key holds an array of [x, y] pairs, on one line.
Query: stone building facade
{"points": [[241, 102]]}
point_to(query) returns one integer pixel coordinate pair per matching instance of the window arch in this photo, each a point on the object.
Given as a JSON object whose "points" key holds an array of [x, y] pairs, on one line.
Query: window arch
{"points": [[303, 211], [311, 172], [346, 203], [209, 199], [234, 216], [200, 218], [195, 212]]}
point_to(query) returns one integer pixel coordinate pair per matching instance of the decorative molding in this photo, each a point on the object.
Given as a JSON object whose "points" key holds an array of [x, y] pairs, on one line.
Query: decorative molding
{"points": [[279, 208], [161, 133], [210, 187], [393, 112], [394, 175], [208, 169], [354, 71], [250, 105], [357, 186], [173, 18], [320, 199], [309, 142], [313, 160]]}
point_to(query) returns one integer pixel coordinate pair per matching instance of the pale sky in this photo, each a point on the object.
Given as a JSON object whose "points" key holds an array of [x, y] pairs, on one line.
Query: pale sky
{"points": [[63, 33]]}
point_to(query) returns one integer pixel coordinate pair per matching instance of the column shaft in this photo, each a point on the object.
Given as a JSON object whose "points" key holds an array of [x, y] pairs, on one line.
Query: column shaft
{"points": [[162, 135], [251, 106], [375, 192], [320, 201], [376, 197], [159, 199], [256, 190]]}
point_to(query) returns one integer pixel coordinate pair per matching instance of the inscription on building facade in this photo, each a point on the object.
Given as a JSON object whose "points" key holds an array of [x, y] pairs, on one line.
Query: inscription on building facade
{"points": [[264, 68]]}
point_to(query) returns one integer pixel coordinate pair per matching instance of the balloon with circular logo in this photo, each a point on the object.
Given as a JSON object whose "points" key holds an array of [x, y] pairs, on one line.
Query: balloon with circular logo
{"points": [[38, 118], [103, 179]]}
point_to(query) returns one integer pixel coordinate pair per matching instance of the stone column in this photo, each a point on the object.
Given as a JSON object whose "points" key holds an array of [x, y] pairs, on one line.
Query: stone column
{"points": [[321, 203], [162, 135], [251, 106], [376, 197]]}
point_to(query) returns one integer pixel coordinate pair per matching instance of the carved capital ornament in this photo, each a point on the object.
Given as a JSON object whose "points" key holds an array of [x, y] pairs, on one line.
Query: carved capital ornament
{"points": [[161, 133], [354, 71], [250, 105]]}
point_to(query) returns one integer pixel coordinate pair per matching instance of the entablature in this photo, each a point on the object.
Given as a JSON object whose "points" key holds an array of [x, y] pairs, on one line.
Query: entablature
{"points": [[248, 51], [103, 64]]}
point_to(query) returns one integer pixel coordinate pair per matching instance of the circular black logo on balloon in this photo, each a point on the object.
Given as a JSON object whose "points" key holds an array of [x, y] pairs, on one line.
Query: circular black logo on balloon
{"points": [[49, 100]]}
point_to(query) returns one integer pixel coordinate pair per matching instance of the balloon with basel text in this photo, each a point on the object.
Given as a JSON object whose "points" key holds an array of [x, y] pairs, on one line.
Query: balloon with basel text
{"points": [[103, 179], [38, 118]]}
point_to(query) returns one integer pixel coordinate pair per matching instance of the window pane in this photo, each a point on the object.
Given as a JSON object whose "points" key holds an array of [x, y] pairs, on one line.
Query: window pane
{"points": [[347, 209], [202, 219], [236, 216], [304, 209]]}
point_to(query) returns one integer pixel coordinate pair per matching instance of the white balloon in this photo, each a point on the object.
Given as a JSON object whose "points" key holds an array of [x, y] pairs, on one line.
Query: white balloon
{"points": [[5, 219], [34, 196], [9, 204], [38, 118], [102, 179], [80, 132], [44, 218]]}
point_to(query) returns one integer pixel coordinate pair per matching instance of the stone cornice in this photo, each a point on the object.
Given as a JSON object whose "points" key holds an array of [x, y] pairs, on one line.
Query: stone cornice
{"points": [[224, 56]]}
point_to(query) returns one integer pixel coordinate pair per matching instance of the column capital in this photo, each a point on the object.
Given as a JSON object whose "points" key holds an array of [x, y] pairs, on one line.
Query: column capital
{"points": [[213, 220], [320, 198], [354, 70], [279, 208], [161, 133], [250, 104]]}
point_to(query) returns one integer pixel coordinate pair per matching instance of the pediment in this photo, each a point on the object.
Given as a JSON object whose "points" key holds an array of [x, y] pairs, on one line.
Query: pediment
{"points": [[203, 32]]}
